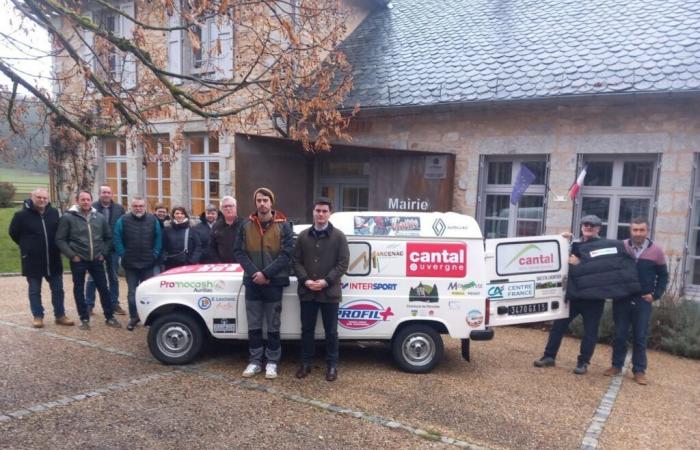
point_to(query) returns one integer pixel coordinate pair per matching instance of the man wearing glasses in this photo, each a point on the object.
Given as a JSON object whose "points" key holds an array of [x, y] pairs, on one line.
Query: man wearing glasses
{"points": [[223, 233]]}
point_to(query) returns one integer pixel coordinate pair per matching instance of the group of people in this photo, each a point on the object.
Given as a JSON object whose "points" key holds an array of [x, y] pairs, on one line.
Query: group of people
{"points": [[633, 273], [97, 237]]}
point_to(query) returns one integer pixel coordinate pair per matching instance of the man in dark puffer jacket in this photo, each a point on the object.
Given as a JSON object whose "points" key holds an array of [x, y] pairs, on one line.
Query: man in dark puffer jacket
{"points": [[598, 269]]}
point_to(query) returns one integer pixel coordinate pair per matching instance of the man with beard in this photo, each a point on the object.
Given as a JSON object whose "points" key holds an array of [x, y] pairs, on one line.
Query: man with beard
{"points": [[264, 248], [137, 240]]}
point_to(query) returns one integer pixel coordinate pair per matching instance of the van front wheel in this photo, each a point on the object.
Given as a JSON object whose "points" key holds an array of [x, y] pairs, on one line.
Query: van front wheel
{"points": [[417, 348], [175, 338]]}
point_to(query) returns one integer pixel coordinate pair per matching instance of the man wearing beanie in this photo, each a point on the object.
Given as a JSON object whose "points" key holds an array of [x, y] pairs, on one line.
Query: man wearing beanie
{"points": [[264, 247]]}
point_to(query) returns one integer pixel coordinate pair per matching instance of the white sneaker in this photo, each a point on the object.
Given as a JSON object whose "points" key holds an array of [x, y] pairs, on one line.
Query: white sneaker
{"points": [[271, 371], [251, 370]]}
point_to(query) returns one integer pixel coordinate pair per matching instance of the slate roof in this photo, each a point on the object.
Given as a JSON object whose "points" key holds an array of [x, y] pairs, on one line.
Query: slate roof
{"points": [[423, 52]]}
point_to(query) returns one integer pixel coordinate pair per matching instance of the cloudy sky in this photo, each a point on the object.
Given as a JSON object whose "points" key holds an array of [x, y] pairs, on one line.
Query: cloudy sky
{"points": [[24, 46]]}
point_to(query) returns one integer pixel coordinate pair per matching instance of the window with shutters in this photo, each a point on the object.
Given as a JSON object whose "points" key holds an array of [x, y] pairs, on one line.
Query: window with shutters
{"points": [[205, 51], [115, 169], [115, 65], [205, 169]]}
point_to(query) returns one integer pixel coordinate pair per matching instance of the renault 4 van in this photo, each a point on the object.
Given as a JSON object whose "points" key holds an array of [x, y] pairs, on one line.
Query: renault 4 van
{"points": [[412, 278]]}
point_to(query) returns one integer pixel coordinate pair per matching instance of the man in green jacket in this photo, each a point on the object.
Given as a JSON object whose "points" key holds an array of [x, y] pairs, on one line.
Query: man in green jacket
{"points": [[321, 257], [85, 237]]}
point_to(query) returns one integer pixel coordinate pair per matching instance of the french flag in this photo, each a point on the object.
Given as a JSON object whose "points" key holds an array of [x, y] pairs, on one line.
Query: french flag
{"points": [[578, 184]]}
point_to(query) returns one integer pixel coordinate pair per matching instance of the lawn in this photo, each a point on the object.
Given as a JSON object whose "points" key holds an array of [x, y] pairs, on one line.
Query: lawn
{"points": [[25, 181], [9, 251]]}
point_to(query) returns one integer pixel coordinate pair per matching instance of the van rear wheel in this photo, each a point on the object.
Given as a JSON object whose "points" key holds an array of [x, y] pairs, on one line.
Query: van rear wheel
{"points": [[175, 338], [417, 348]]}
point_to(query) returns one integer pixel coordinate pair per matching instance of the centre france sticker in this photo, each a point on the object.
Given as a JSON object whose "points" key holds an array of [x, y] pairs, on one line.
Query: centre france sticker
{"points": [[362, 314]]}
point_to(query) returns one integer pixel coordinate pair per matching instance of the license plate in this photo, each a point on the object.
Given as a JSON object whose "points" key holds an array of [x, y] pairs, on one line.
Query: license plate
{"points": [[530, 308]]}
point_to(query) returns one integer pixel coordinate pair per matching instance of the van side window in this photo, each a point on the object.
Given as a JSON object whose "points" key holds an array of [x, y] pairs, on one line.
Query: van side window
{"points": [[360, 259]]}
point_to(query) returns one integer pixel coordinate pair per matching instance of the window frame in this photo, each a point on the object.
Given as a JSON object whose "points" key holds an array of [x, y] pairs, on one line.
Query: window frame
{"points": [[121, 195], [207, 157], [485, 189], [160, 158], [616, 192], [693, 229]]}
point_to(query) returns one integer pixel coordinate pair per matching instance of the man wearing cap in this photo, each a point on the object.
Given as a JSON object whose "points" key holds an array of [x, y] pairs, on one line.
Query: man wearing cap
{"points": [[598, 269], [264, 247]]}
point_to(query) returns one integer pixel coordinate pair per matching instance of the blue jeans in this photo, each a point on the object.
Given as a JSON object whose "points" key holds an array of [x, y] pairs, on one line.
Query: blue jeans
{"points": [[134, 277], [329, 315], [634, 313], [591, 311], [112, 265], [57, 296], [96, 269]]}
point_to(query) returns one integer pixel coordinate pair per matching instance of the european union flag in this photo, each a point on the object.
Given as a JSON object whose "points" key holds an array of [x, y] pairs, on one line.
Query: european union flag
{"points": [[522, 182]]}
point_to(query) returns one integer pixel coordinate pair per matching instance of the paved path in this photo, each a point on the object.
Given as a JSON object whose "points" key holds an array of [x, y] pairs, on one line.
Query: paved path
{"points": [[63, 387]]}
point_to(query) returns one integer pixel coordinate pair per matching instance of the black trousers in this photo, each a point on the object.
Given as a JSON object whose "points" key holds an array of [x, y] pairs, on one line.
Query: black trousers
{"points": [[329, 315]]}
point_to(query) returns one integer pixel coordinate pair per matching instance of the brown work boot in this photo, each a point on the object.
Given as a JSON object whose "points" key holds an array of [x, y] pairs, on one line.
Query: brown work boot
{"points": [[118, 310], [38, 322], [640, 378], [63, 320], [612, 371]]}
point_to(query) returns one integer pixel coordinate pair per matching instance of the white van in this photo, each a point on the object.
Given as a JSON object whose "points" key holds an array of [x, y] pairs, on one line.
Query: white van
{"points": [[412, 277]]}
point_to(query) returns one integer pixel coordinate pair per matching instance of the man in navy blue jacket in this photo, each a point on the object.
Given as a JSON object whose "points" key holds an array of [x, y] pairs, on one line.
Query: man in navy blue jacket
{"points": [[635, 311]]}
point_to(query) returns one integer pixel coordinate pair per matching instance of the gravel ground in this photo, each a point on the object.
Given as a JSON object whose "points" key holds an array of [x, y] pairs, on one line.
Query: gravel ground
{"points": [[498, 400]]}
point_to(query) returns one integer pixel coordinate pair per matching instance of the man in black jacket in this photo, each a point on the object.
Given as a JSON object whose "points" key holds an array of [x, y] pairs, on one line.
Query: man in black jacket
{"points": [[137, 240], [203, 229], [112, 212], [224, 232], [34, 230], [588, 306]]}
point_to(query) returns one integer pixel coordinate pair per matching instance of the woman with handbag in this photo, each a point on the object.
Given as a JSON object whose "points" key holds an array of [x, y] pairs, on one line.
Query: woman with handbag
{"points": [[181, 244]]}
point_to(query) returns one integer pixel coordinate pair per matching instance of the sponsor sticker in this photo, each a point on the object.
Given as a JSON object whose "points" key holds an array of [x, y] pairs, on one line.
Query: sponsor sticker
{"points": [[204, 303], [360, 286], [362, 314], [604, 251], [424, 293], [527, 257], [219, 302], [464, 288], [455, 305], [475, 318], [386, 226], [511, 291], [224, 325], [443, 259], [194, 285]]}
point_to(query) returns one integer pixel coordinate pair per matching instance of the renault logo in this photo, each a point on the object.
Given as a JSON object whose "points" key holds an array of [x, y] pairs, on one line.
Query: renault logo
{"points": [[439, 227]]}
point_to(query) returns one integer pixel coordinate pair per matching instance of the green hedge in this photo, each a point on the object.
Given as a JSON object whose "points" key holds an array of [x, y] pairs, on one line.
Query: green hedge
{"points": [[675, 327]]}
